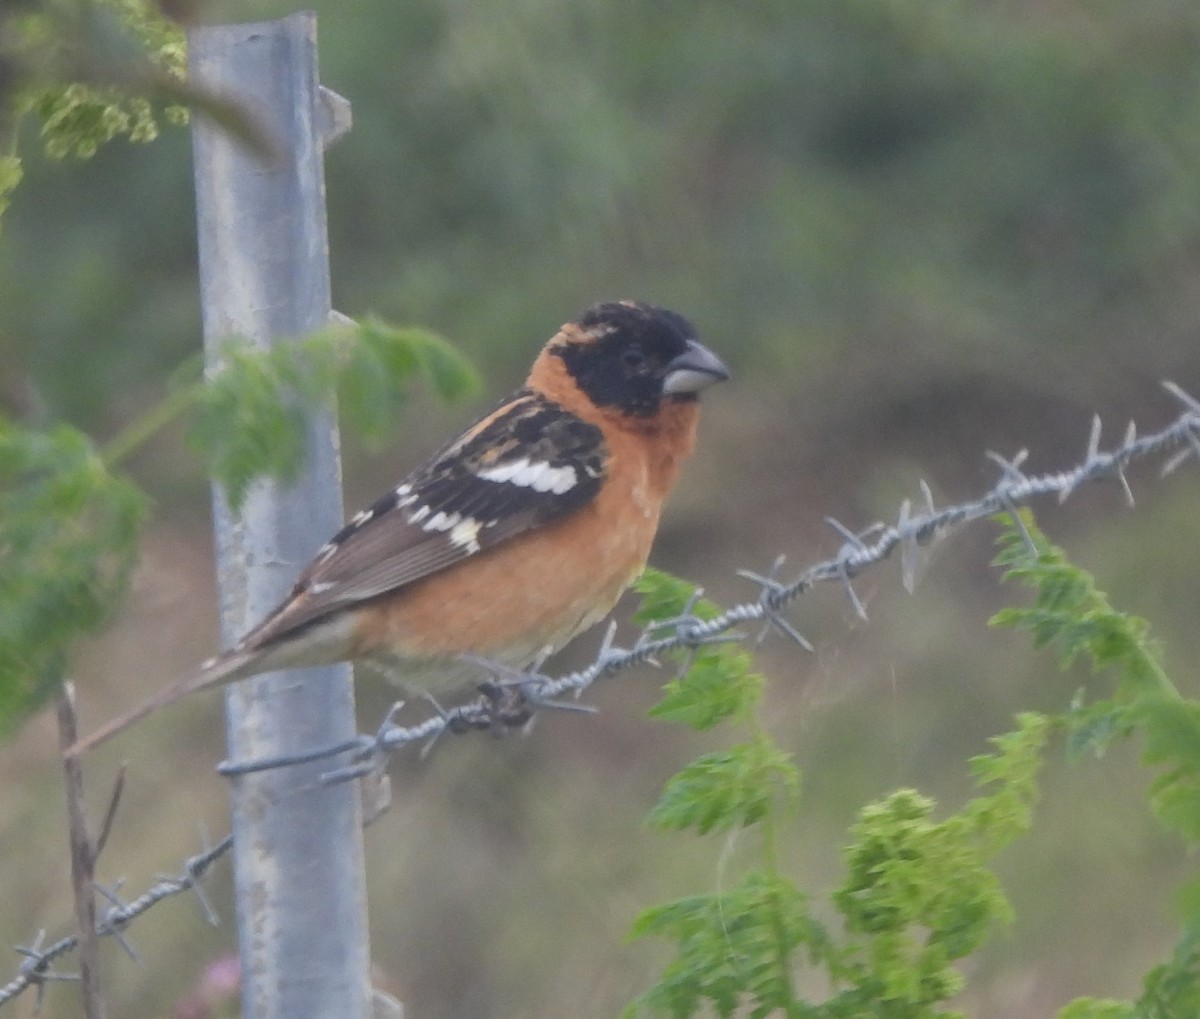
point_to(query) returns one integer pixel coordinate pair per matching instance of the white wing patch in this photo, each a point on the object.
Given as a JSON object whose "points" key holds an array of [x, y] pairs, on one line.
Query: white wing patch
{"points": [[464, 531], [465, 534], [442, 521], [535, 474]]}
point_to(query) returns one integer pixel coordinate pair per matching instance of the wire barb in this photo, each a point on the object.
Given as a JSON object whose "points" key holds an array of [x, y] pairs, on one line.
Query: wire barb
{"points": [[609, 651], [910, 545], [193, 874], [687, 625], [770, 588], [855, 541], [111, 924], [1191, 433], [36, 967], [1010, 468], [1189, 401]]}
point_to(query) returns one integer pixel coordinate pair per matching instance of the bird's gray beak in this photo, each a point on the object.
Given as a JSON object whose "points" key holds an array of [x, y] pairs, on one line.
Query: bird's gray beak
{"points": [[695, 369]]}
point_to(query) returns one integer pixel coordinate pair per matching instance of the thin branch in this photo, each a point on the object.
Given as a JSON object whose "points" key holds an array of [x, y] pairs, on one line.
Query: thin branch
{"points": [[82, 860], [110, 814]]}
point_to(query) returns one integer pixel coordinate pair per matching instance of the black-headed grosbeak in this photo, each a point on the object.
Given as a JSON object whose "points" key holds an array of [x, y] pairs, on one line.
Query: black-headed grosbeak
{"points": [[512, 539]]}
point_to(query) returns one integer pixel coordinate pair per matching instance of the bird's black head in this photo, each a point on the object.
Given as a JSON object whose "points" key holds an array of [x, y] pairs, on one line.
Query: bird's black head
{"points": [[632, 356]]}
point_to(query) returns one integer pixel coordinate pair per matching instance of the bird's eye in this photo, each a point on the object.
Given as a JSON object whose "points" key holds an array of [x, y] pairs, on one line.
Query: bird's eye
{"points": [[633, 358]]}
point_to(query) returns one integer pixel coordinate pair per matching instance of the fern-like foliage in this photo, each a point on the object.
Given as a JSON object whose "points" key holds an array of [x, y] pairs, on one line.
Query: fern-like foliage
{"points": [[719, 683], [726, 789], [68, 540], [251, 417], [1070, 613], [101, 39], [10, 176], [89, 72], [919, 894], [736, 950]]}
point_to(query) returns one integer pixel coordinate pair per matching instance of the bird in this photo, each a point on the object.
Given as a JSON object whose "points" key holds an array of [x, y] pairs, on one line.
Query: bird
{"points": [[509, 541]]}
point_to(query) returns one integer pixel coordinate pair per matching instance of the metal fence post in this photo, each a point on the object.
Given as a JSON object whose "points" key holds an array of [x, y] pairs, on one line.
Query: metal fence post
{"points": [[264, 278]]}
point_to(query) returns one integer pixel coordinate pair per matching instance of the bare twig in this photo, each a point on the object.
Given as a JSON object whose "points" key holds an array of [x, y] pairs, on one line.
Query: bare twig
{"points": [[110, 814], [82, 860]]}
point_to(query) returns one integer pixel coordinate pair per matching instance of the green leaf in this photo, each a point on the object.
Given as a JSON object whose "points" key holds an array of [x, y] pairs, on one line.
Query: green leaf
{"points": [[253, 417], [718, 686], [1070, 610], [1172, 990], [736, 950], [718, 683], [920, 885], [1172, 730], [98, 67], [250, 421], [10, 177], [918, 893], [668, 597], [68, 541], [727, 789], [1006, 812], [1097, 1008], [1092, 728], [381, 365]]}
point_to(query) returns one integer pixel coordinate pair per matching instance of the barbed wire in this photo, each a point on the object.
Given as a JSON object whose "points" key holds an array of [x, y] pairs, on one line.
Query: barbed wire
{"points": [[37, 966], [514, 695]]}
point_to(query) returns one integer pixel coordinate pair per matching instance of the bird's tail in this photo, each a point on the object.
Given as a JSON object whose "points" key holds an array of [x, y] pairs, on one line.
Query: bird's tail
{"points": [[226, 668]]}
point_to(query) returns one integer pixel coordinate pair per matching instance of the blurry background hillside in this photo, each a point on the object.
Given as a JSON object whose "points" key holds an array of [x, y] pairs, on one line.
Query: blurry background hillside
{"points": [[915, 231]]}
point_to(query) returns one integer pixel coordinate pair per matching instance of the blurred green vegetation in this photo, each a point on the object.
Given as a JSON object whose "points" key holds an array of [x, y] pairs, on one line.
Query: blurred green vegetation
{"points": [[916, 231]]}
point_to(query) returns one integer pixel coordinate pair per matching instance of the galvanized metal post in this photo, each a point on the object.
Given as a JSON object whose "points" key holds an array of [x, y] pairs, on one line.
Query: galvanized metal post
{"points": [[264, 279]]}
